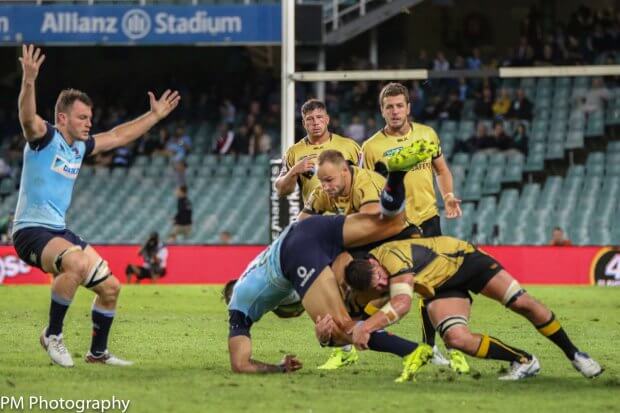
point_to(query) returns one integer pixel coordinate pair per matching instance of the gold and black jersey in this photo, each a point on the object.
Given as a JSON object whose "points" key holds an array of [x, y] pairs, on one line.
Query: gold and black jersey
{"points": [[366, 188], [304, 148], [419, 182], [432, 261]]}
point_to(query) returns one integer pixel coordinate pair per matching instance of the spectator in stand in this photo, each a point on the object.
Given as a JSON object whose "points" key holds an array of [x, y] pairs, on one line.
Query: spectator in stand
{"points": [[178, 148], [182, 222], [480, 137], [5, 169], [524, 53], [483, 107], [521, 107], [371, 126], [356, 130], [520, 139], [417, 99], [501, 105], [440, 63], [224, 143], [547, 57], [335, 126], [503, 142], [558, 239], [474, 62], [225, 238], [594, 99], [260, 141], [451, 108], [464, 90], [121, 157], [241, 143], [422, 61], [228, 111]]}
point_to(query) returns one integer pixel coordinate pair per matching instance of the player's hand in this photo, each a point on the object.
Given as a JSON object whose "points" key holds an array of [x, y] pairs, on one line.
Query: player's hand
{"points": [[290, 363], [453, 206], [324, 327], [305, 166], [165, 104], [31, 61], [360, 336]]}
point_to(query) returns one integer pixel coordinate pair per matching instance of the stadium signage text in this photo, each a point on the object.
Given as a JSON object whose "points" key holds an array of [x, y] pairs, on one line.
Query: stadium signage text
{"points": [[140, 25], [12, 266]]}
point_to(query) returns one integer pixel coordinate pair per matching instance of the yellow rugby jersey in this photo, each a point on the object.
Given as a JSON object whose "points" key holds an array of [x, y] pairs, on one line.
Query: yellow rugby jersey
{"points": [[433, 261], [366, 187], [419, 185], [302, 149]]}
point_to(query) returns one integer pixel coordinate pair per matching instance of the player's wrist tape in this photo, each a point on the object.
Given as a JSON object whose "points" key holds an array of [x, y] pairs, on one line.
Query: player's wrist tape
{"points": [[448, 195], [390, 313], [281, 367], [401, 288]]}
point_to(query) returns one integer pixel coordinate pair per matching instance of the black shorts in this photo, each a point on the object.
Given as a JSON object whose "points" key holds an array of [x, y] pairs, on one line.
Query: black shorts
{"points": [[310, 246], [449, 294], [476, 271], [29, 242], [431, 227]]}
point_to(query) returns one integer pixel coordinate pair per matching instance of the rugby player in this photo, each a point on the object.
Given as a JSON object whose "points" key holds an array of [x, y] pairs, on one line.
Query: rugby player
{"points": [[444, 270], [422, 208], [299, 162], [344, 189], [300, 258], [52, 160]]}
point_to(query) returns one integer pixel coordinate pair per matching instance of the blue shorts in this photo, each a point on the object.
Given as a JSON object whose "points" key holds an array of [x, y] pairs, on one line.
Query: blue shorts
{"points": [[256, 293], [29, 242], [309, 247]]}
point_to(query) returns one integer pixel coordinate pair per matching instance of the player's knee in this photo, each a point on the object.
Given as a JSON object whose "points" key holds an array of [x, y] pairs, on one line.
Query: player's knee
{"points": [[109, 290], [457, 338], [524, 304], [454, 331], [77, 264]]}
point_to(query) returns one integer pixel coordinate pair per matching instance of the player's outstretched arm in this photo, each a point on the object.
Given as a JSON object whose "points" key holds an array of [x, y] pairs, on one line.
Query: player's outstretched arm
{"points": [[445, 184], [240, 349], [32, 124], [132, 130]]}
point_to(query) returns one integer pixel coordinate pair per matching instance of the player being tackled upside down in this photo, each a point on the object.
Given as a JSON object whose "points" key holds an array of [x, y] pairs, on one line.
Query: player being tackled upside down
{"points": [[299, 261]]}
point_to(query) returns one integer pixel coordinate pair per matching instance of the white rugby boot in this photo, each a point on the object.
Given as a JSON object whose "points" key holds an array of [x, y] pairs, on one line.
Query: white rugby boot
{"points": [[586, 365], [520, 371], [56, 349]]}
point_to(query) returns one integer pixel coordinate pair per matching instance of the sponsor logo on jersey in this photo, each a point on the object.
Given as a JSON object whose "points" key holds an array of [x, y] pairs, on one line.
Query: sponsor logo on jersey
{"points": [[66, 168]]}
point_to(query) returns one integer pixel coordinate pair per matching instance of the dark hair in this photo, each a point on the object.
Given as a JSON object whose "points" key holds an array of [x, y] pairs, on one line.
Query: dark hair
{"points": [[358, 274], [332, 156], [558, 229], [183, 188], [312, 104], [228, 290], [67, 97], [393, 89]]}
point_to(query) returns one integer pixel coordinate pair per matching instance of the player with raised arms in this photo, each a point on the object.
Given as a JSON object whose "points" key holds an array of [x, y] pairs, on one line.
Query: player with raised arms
{"points": [[53, 157]]}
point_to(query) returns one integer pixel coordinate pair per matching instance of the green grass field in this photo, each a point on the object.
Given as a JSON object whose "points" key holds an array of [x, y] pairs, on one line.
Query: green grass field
{"points": [[177, 335]]}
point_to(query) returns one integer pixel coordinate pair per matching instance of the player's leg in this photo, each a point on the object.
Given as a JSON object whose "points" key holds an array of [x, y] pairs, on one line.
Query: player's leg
{"points": [[103, 309], [505, 289], [69, 265], [450, 316]]}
